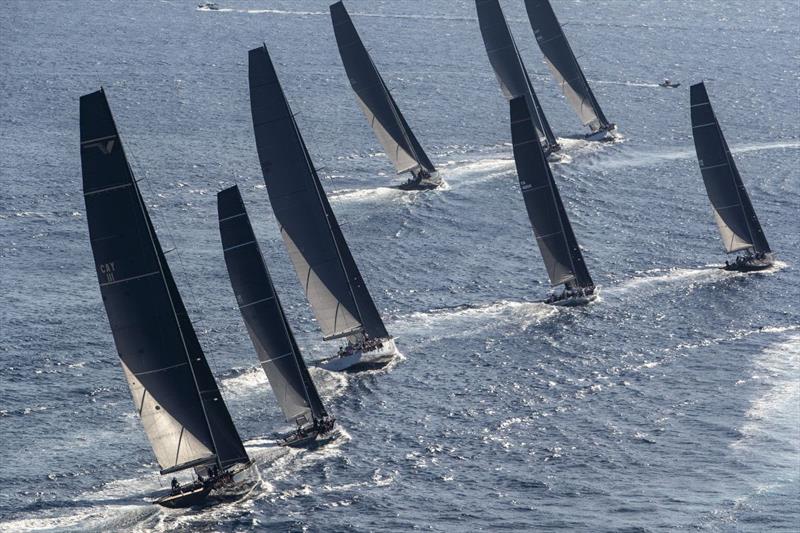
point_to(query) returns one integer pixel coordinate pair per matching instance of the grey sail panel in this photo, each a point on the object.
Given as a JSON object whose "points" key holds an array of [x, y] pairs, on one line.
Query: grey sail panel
{"points": [[263, 314], [564, 65], [296, 198], [733, 212], [508, 66], [370, 318], [557, 244], [385, 118], [136, 286]]}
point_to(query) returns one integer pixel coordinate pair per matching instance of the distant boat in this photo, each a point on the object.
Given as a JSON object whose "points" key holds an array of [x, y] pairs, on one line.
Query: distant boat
{"points": [[668, 84], [267, 325], [391, 129], [562, 255], [736, 219], [323, 262], [565, 68], [509, 68], [174, 391], [208, 6]]}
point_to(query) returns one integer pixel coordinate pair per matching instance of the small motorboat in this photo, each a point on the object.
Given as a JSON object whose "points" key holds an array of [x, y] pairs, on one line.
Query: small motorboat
{"points": [[667, 83], [208, 6]]}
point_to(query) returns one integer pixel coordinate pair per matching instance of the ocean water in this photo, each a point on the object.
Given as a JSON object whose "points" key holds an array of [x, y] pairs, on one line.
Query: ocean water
{"points": [[672, 403]]}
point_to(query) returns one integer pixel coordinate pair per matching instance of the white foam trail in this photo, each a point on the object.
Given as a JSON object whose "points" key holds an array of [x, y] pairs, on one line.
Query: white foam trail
{"points": [[637, 159], [330, 384], [706, 274], [481, 317], [367, 195], [774, 414]]}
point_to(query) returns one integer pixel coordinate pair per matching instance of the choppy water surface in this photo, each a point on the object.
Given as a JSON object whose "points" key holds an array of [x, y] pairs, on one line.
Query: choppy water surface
{"points": [[671, 403]]}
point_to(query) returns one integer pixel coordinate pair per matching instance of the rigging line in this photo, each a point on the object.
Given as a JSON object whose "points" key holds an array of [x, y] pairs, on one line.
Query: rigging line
{"points": [[194, 311]]}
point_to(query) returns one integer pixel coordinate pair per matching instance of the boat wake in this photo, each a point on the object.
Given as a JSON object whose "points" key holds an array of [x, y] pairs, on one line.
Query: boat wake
{"points": [[330, 384], [657, 277], [466, 320], [774, 412], [642, 159]]}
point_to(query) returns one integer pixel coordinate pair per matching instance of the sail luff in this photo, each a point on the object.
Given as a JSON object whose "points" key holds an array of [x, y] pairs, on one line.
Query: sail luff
{"points": [[733, 211], [263, 314], [559, 248], [374, 97], [563, 64], [508, 67], [140, 299]]}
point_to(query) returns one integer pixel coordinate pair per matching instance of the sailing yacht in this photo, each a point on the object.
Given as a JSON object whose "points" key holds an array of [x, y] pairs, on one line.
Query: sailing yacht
{"points": [[736, 219], [173, 389], [557, 243], [564, 66], [510, 71], [322, 260], [267, 326], [377, 103]]}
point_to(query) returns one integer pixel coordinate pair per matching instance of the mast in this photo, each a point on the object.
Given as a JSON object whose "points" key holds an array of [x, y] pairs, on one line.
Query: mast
{"points": [[323, 262], [564, 65], [164, 365], [508, 67], [263, 314], [557, 243], [733, 211], [374, 98]]}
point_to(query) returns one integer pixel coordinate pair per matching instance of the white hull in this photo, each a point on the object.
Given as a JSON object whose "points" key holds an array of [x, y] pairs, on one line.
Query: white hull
{"points": [[361, 360], [602, 135]]}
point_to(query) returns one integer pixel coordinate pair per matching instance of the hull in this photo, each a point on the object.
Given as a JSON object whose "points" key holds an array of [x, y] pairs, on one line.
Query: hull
{"points": [[191, 496], [231, 484], [360, 360], [424, 184], [605, 135], [574, 301], [749, 264], [310, 440]]}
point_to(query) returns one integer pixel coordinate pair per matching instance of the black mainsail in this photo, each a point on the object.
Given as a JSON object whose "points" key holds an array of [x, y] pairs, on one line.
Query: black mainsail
{"points": [[174, 391], [509, 68], [736, 219], [263, 314], [323, 262], [385, 118], [560, 251], [564, 65]]}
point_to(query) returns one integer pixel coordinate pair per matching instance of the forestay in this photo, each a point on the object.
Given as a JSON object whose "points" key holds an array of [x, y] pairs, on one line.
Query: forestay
{"points": [[326, 269], [564, 65], [736, 219], [263, 314], [508, 66], [557, 244], [374, 98], [175, 394]]}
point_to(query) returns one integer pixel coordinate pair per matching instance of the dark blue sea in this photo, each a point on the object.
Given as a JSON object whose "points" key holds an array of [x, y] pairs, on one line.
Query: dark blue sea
{"points": [[672, 403]]}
